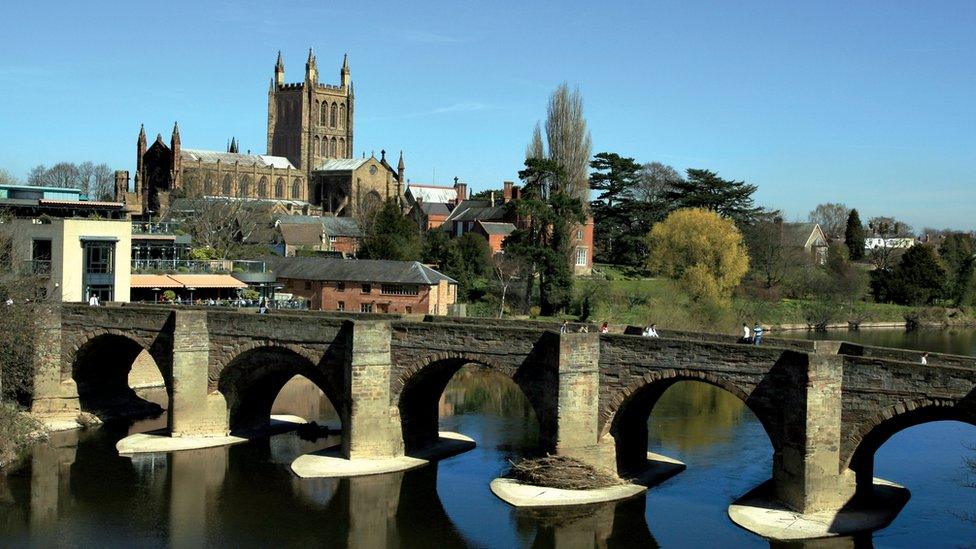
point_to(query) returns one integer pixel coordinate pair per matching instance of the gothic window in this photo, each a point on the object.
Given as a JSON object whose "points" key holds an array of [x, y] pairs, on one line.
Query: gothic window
{"points": [[341, 150], [324, 149], [332, 148], [225, 187], [245, 187], [263, 187], [332, 116], [323, 113], [315, 147], [296, 188], [208, 185], [342, 115], [280, 188]]}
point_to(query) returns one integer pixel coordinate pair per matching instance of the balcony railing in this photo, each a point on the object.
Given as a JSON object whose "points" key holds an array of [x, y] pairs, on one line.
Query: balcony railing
{"points": [[223, 266], [156, 227], [36, 267]]}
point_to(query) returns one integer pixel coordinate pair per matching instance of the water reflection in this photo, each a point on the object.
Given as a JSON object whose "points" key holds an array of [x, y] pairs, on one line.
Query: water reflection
{"points": [[76, 490]]}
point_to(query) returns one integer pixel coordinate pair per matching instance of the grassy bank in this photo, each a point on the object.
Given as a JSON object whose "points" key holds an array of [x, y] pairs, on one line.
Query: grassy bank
{"points": [[626, 296], [17, 432]]}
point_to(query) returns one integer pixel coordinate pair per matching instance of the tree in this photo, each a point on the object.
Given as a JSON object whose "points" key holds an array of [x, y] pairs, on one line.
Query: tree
{"points": [[62, 174], [854, 236], [569, 140], [536, 148], [655, 179], [96, 181], [7, 178], [957, 251], [831, 217], [615, 177], [885, 226], [705, 189], [772, 257], [702, 250], [918, 279], [391, 235], [221, 225], [506, 271], [487, 194]]}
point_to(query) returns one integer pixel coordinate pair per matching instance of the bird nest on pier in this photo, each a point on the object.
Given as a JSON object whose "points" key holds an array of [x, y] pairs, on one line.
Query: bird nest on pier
{"points": [[560, 472]]}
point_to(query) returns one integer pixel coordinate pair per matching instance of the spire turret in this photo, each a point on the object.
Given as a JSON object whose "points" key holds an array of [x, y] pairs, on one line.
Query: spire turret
{"points": [[400, 171], [279, 77], [311, 70], [344, 78]]}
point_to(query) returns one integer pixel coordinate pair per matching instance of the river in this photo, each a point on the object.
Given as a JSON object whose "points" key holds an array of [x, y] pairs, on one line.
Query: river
{"points": [[76, 491]]}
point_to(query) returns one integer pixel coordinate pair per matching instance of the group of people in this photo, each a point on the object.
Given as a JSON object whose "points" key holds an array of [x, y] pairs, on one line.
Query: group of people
{"points": [[753, 336]]}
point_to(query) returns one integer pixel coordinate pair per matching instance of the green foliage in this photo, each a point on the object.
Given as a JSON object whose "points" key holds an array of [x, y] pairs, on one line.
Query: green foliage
{"points": [[619, 225], [250, 293], [17, 331], [391, 235], [919, 278], [486, 194], [169, 295], [466, 259], [705, 189], [203, 253], [17, 432], [958, 253], [854, 236]]}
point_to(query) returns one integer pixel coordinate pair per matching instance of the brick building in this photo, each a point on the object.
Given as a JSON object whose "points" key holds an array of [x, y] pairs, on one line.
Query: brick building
{"points": [[365, 285], [316, 233], [430, 205]]}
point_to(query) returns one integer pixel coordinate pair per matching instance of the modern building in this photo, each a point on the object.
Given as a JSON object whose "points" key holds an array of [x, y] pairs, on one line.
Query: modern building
{"points": [[365, 285], [70, 259], [875, 242]]}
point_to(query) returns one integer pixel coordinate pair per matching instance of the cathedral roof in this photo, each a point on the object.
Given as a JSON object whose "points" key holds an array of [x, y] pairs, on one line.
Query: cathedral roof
{"points": [[212, 157], [341, 164]]}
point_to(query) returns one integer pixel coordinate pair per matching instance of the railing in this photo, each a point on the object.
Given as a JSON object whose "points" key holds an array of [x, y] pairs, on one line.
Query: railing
{"points": [[198, 266], [36, 267], [155, 227]]}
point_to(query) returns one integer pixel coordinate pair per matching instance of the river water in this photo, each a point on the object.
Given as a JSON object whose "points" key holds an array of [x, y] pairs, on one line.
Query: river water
{"points": [[77, 491]]}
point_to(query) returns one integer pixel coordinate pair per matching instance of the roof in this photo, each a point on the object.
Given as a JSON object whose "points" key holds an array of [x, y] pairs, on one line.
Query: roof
{"points": [[478, 210], [340, 164], [194, 281], [432, 193], [799, 234], [491, 227], [341, 226], [212, 157], [84, 203], [434, 208], [356, 270], [71, 190], [301, 234]]}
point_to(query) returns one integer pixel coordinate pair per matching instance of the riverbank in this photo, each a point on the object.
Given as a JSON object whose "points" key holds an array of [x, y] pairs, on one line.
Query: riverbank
{"points": [[18, 432]]}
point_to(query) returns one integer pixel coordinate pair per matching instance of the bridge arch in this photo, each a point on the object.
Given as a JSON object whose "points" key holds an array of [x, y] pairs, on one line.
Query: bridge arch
{"points": [[626, 415], [872, 434], [418, 389], [252, 379], [100, 368]]}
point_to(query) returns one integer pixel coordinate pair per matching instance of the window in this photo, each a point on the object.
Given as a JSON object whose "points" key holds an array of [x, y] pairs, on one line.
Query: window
{"points": [[333, 240], [341, 149], [98, 257], [245, 188], [581, 257], [332, 115], [340, 286], [263, 187], [342, 115], [399, 289], [296, 189], [408, 309], [225, 187], [308, 284], [208, 185], [280, 188], [316, 146], [340, 305], [323, 113], [332, 147], [366, 308], [579, 234], [367, 288]]}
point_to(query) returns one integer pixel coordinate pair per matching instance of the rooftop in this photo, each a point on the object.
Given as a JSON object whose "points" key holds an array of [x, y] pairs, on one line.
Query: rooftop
{"points": [[478, 210], [356, 270], [263, 160], [341, 164], [432, 193]]}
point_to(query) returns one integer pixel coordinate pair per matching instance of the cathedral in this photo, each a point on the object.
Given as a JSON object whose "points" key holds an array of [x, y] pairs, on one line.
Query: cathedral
{"points": [[309, 158]]}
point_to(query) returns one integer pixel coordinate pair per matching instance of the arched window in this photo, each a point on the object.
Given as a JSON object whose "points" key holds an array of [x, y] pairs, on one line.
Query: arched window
{"points": [[227, 185], [342, 115], [332, 115], [263, 187], [245, 187], [296, 188], [323, 113], [280, 188], [208, 185], [324, 149], [316, 150], [341, 150], [332, 147]]}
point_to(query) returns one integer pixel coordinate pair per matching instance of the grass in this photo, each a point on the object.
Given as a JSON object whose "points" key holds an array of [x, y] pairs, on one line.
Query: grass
{"points": [[17, 432]]}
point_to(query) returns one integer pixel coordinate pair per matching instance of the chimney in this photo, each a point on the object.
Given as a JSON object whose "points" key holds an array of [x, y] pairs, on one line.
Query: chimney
{"points": [[462, 190], [492, 198], [507, 193]]}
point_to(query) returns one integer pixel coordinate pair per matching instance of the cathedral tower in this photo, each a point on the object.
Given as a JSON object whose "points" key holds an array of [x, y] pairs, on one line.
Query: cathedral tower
{"points": [[310, 122]]}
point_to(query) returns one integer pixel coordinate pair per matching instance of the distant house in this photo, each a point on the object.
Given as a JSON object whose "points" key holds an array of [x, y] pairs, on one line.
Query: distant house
{"points": [[316, 233], [430, 205], [366, 285], [808, 236], [875, 242]]}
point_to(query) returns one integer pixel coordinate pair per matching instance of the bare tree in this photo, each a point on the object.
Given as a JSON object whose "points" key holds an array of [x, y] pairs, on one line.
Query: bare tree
{"points": [[96, 181], [62, 174], [535, 148], [222, 225], [832, 218], [885, 226], [883, 255], [506, 270], [569, 139], [7, 178], [37, 175], [655, 178]]}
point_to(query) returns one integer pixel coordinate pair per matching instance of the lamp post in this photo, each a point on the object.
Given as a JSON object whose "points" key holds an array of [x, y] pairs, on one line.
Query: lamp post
{"points": [[191, 294], [156, 295]]}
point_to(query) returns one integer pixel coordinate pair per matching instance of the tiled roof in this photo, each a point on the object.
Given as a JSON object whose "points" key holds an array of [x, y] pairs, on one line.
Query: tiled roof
{"points": [[212, 157], [435, 208], [478, 210], [432, 193], [341, 226], [340, 164], [301, 234], [490, 227], [355, 270]]}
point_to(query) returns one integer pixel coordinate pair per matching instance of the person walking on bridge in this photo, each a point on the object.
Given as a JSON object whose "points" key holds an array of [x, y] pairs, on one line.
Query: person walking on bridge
{"points": [[746, 333], [757, 334]]}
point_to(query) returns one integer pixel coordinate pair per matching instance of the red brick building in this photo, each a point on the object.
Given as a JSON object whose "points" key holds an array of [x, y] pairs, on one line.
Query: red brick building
{"points": [[365, 285]]}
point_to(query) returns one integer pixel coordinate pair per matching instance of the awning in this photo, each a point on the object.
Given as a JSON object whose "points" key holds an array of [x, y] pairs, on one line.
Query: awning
{"points": [[196, 281], [153, 281]]}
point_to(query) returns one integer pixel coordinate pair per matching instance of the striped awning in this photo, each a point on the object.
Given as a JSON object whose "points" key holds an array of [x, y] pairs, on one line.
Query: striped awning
{"points": [[185, 281]]}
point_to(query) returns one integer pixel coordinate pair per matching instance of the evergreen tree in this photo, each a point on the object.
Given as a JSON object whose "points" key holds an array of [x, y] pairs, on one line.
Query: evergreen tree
{"points": [[854, 236], [705, 189], [957, 252], [391, 235], [615, 178], [918, 279]]}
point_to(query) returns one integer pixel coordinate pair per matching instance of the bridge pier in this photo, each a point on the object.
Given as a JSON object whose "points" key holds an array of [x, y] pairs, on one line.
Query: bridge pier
{"points": [[52, 395], [370, 422], [577, 429], [193, 410], [806, 470]]}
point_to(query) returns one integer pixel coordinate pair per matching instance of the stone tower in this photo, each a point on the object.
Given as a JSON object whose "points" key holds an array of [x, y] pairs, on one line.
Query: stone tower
{"points": [[308, 122]]}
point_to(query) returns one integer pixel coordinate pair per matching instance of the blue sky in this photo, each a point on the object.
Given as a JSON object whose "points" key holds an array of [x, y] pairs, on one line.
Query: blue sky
{"points": [[868, 103]]}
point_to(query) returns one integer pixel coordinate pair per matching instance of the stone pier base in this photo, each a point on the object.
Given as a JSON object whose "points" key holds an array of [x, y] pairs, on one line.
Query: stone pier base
{"points": [[331, 463]]}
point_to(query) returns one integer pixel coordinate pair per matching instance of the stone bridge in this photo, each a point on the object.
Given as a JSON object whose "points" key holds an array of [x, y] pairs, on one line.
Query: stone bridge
{"points": [[826, 406]]}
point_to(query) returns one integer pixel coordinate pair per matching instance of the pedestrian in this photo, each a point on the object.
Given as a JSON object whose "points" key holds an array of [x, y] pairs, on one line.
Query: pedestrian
{"points": [[584, 329], [746, 333], [565, 327], [604, 329], [925, 358], [10, 301], [263, 307], [93, 300], [757, 334], [653, 330]]}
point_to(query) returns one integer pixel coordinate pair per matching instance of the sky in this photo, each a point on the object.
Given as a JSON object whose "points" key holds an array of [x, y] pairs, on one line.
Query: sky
{"points": [[872, 104]]}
